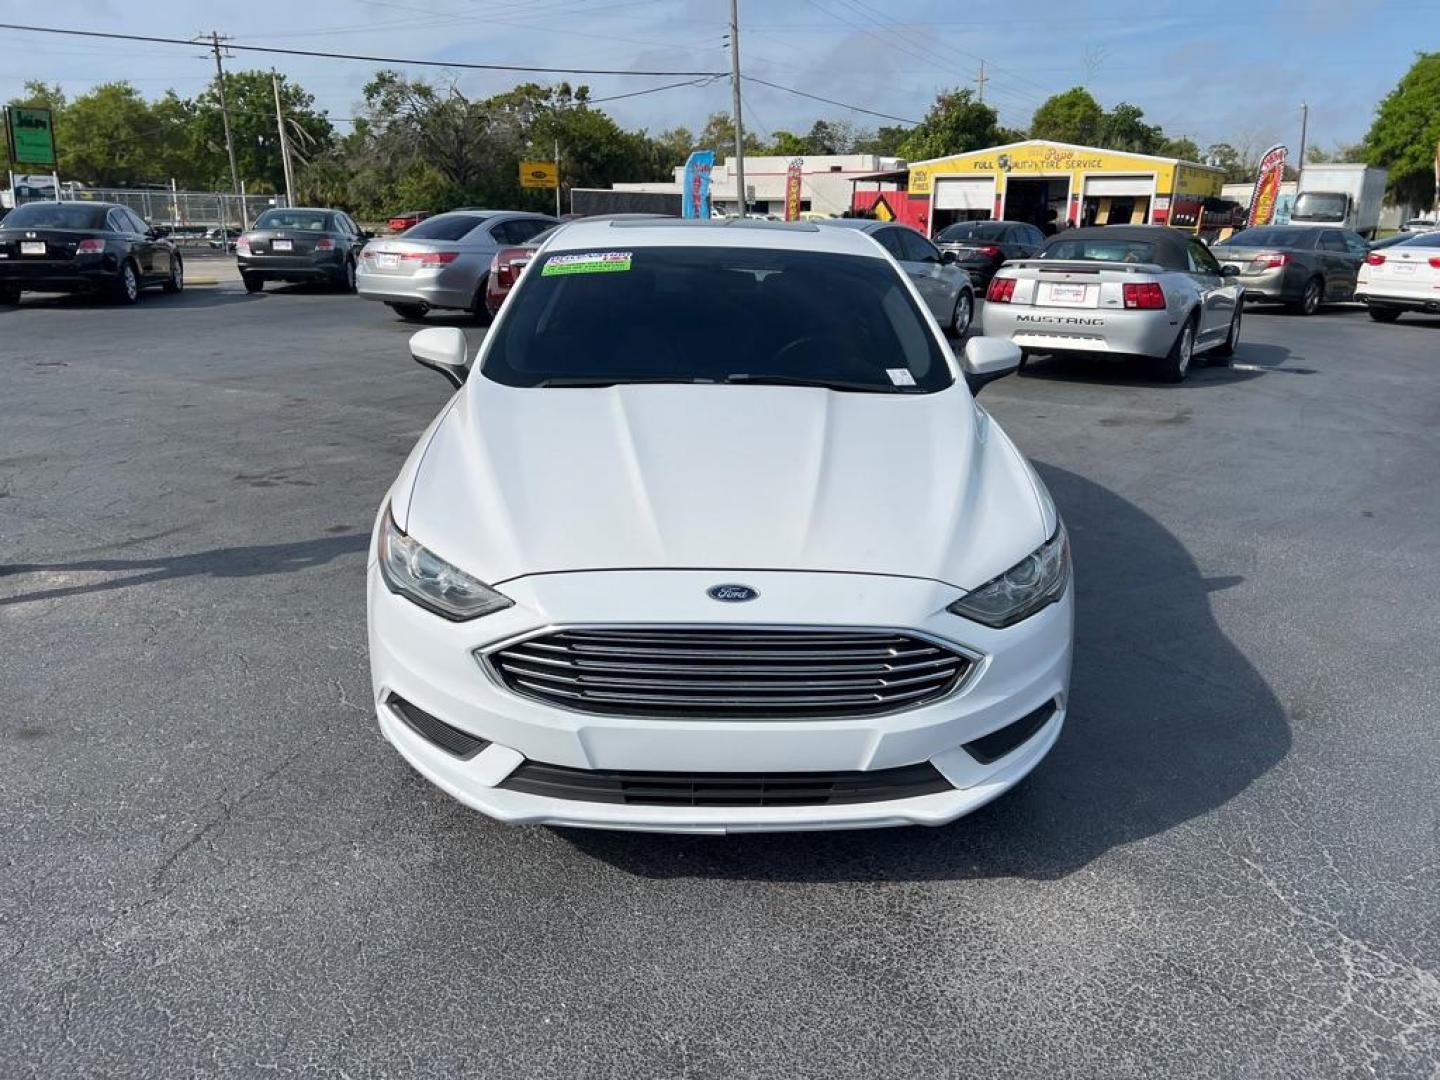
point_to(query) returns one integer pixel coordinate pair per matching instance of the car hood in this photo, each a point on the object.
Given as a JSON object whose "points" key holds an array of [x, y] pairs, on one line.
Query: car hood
{"points": [[531, 481]]}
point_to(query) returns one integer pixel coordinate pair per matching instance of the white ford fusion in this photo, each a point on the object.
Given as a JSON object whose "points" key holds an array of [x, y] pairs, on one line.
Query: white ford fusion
{"points": [[713, 538]]}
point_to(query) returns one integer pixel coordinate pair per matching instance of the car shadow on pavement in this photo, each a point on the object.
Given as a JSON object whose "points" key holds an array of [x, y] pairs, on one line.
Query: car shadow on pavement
{"points": [[1137, 371], [256, 560], [1168, 721], [203, 296]]}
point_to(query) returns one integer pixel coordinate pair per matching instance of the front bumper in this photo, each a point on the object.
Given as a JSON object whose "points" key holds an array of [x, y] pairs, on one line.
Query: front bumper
{"points": [[431, 663], [1090, 330]]}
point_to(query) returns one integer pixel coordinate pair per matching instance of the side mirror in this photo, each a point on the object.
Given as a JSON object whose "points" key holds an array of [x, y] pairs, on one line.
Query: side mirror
{"points": [[443, 349], [986, 359], [947, 257]]}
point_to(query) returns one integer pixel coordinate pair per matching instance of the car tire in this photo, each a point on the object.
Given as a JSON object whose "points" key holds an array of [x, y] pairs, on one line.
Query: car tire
{"points": [[409, 312], [345, 280], [126, 289], [1175, 365], [176, 282], [478, 310], [964, 313], [1221, 354], [1310, 299], [253, 282], [1384, 314]]}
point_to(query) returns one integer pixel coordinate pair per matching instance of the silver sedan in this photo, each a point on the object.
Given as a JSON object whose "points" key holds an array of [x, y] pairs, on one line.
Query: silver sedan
{"points": [[945, 287], [442, 261]]}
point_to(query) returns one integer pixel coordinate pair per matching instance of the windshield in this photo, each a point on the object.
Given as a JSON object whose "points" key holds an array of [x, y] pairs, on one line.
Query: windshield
{"points": [[971, 230], [444, 227], [53, 215], [308, 220], [715, 314], [1099, 249], [1320, 206], [1291, 238]]}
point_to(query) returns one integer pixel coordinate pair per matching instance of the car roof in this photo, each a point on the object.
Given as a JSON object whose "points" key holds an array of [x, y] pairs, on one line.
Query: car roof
{"points": [[732, 233]]}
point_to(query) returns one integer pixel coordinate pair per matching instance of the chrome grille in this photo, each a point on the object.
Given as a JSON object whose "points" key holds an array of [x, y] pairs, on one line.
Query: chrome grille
{"points": [[730, 672]]}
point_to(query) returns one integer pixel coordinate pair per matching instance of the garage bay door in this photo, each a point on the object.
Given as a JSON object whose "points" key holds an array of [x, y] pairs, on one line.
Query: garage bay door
{"points": [[955, 193], [1119, 185]]}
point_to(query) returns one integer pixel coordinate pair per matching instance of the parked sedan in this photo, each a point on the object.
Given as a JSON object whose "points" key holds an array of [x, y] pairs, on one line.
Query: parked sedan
{"points": [[1128, 290], [444, 261], [1403, 277], [84, 246], [713, 539], [1295, 265], [946, 289], [408, 220], [300, 244], [506, 267], [980, 247]]}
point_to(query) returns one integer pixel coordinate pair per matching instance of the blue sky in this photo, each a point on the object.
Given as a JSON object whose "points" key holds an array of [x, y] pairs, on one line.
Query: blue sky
{"points": [[1235, 72]]}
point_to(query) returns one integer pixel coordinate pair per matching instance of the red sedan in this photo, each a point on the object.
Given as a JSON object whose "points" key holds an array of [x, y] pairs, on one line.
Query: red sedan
{"points": [[505, 269], [401, 222]]}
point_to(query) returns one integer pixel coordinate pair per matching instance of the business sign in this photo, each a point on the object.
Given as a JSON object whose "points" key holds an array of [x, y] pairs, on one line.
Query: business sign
{"points": [[32, 136], [792, 190], [695, 191], [1267, 187], [539, 174]]}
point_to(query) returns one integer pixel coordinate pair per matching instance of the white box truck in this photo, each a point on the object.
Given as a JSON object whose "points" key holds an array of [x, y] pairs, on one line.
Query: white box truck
{"points": [[1341, 194]]}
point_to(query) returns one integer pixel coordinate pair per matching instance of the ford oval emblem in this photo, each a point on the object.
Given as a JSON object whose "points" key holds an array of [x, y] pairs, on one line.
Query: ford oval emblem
{"points": [[732, 594]]}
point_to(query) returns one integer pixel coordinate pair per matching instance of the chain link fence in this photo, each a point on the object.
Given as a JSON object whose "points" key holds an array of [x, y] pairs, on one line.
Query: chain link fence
{"points": [[183, 212]]}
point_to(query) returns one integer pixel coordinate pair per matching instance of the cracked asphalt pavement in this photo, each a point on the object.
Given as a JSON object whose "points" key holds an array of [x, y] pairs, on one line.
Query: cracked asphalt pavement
{"points": [[214, 866]]}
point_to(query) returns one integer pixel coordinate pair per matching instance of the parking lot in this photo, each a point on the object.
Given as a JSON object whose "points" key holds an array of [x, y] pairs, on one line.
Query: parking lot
{"points": [[213, 863]]}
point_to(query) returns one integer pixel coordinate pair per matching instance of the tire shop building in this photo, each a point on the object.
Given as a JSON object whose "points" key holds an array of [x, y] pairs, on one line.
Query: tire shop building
{"points": [[1038, 181]]}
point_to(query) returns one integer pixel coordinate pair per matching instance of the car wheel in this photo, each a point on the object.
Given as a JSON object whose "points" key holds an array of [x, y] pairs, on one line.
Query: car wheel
{"points": [[478, 310], [177, 275], [963, 314], [1384, 314], [127, 284], [1176, 363], [409, 312], [1221, 354], [1309, 302], [253, 282]]}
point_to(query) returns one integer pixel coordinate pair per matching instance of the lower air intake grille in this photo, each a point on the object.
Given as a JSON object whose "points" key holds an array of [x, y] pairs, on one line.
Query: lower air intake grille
{"points": [[450, 739], [725, 789], [729, 672]]}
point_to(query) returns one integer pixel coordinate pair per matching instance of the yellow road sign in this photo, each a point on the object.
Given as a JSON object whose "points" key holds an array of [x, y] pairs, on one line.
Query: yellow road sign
{"points": [[539, 174]]}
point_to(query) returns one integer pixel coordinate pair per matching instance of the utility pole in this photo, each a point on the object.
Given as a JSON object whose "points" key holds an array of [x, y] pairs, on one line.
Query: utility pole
{"points": [[980, 82], [1304, 123], [284, 142], [735, 106], [225, 116], [557, 177]]}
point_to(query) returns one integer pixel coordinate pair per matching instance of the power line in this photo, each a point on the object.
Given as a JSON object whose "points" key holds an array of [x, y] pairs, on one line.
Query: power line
{"points": [[830, 101], [455, 64]]}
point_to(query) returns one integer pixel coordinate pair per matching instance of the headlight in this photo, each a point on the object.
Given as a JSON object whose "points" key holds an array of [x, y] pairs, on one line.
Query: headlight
{"points": [[417, 573], [1032, 583]]}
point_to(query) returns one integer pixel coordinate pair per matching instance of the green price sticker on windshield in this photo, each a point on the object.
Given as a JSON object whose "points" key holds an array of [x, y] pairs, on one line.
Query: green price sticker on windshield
{"points": [[594, 262]]}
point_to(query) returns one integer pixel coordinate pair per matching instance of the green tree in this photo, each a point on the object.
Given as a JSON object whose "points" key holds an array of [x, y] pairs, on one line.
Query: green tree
{"points": [[788, 144], [1124, 128], [1072, 117], [719, 134], [1240, 164], [256, 134], [885, 141], [1183, 148], [111, 135], [954, 124], [1406, 133]]}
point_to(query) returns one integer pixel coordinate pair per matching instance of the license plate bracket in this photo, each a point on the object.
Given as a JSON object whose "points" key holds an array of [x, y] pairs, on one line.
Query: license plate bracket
{"points": [[281, 245], [386, 261], [32, 247], [1064, 292]]}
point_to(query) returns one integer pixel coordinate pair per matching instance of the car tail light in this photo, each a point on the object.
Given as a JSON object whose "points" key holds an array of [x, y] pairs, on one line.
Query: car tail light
{"points": [[1000, 291], [507, 264], [430, 258], [325, 244], [1145, 295], [1374, 259], [990, 251], [1435, 261], [242, 246], [90, 247], [1271, 259]]}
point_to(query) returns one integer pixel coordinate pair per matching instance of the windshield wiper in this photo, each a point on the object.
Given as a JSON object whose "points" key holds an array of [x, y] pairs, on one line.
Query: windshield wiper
{"points": [[827, 384], [601, 380]]}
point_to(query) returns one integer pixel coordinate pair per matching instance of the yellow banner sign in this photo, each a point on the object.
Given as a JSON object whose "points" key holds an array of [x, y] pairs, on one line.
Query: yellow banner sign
{"points": [[539, 174]]}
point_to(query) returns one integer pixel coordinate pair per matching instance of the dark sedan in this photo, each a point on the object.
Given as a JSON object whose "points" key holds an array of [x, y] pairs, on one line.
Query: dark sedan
{"points": [[981, 247], [300, 244], [1300, 266], [84, 246]]}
